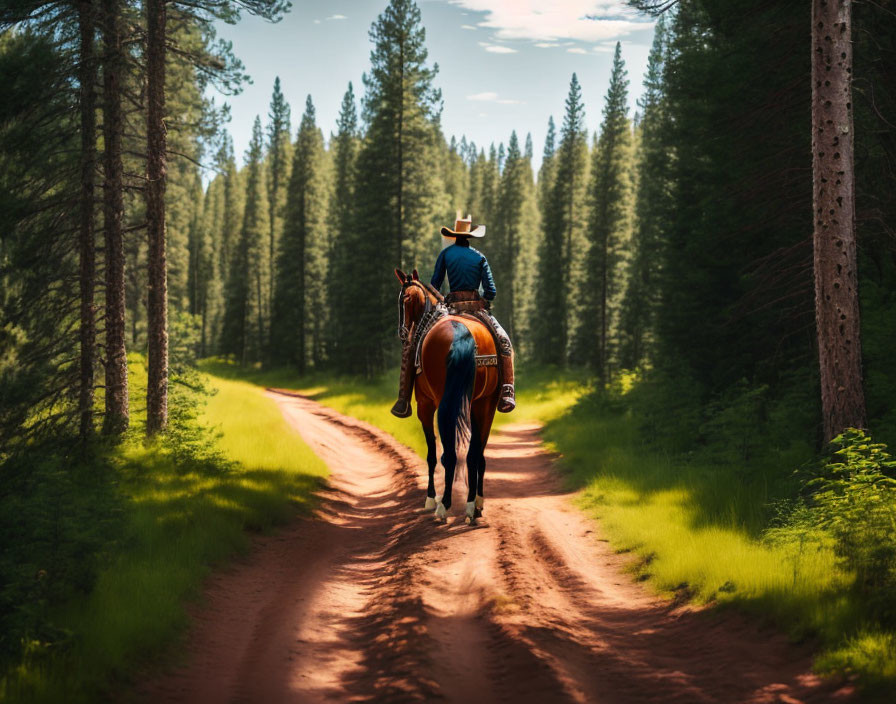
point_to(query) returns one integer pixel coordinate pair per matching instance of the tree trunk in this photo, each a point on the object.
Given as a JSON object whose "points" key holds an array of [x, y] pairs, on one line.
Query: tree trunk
{"points": [[156, 167], [836, 275], [86, 243], [116, 363]]}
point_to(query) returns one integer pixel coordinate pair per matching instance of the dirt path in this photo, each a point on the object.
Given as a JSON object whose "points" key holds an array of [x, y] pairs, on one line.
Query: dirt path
{"points": [[373, 601]]}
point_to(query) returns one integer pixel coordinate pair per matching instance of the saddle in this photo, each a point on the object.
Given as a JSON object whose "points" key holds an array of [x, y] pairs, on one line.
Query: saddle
{"points": [[465, 302]]}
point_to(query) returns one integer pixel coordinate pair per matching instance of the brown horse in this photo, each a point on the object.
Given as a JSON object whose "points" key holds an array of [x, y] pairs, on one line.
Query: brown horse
{"points": [[452, 381]]}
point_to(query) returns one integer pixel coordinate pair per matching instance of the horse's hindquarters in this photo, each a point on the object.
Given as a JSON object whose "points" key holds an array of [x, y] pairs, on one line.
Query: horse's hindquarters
{"points": [[435, 351]]}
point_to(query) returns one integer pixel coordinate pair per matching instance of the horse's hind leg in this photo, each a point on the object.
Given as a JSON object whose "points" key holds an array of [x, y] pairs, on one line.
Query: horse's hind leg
{"points": [[447, 434], [475, 465], [483, 413], [425, 412]]}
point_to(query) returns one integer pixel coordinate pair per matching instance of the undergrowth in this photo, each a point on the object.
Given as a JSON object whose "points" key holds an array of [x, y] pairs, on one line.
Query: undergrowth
{"points": [[103, 545]]}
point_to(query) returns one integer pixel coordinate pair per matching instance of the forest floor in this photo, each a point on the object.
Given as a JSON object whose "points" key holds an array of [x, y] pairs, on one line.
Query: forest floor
{"points": [[371, 600]]}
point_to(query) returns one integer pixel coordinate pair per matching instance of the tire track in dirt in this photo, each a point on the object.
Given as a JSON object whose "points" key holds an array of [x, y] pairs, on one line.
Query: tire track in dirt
{"points": [[371, 600]]}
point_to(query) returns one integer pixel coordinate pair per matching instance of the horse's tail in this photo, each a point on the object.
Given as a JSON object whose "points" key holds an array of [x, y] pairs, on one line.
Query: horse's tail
{"points": [[460, 373]]}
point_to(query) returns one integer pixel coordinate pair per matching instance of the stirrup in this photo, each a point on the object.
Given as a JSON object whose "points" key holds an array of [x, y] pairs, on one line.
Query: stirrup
{"points": [[402, 408], [508, 400]]}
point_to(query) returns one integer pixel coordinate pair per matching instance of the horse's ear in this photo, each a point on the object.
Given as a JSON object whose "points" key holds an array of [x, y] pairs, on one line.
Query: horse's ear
{"points": [[416, 275], [401, 277]]}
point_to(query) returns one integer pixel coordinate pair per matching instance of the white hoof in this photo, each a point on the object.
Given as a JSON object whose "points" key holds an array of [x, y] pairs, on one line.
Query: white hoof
{"points": [[480, 502], [470, 512], [441, 513], [430, 504]]}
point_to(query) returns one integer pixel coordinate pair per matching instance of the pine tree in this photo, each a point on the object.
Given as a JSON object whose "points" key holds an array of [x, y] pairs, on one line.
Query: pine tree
{"points": [[509, 230], [609, 227], [301, 267], [398, 195], [156, 181], [638, 317], [279, 149], [345, 153], [87, 77], [489, 176], [474, 204], [243, 330], [563, 226], [546, 172], [117, 409], [526, 260], [834, 234]]}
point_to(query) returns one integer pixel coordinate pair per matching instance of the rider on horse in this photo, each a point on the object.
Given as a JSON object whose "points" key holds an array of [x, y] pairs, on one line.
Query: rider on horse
{"points": [[467, 270]]}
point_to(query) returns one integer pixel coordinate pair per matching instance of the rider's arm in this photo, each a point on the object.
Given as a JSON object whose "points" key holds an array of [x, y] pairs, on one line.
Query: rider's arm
{"points": [[438, 276], [488, 283]]}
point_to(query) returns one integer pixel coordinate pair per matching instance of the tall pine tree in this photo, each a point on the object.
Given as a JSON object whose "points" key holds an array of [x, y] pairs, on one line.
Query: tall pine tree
{"points": [[279, 152], [342, 220], [398, 194], [243, 330], [563, 224], [609, 228], [301, 271], [638, 317]]}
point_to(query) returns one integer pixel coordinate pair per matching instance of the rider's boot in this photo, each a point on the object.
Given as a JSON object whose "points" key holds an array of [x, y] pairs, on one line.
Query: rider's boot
{"points": [[402, 407], [507, 401]]}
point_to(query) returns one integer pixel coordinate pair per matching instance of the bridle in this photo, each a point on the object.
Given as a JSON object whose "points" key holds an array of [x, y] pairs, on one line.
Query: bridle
{"points": [[430, 309]]}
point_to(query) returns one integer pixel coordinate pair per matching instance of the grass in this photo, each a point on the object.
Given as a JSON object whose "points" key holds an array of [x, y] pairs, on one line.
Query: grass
{"points": [[182, 515]]}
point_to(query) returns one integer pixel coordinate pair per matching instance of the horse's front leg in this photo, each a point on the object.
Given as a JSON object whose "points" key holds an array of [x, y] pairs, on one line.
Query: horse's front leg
{"points": [[425, 411]]}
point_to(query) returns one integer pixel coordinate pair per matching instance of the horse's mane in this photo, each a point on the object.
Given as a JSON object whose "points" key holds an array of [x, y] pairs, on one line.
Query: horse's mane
{"points": [[432, 290]]}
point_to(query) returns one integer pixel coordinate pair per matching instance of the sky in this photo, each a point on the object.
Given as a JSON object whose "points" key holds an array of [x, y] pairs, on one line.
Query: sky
{"points": [[503, 64]]}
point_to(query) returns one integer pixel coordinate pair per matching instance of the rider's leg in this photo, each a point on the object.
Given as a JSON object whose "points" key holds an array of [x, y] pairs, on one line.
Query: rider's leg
{"points": [[507, 400], [402, 407]]}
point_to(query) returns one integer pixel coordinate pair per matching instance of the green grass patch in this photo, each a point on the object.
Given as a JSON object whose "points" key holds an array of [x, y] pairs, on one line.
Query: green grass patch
{"points": [[184, 506]]}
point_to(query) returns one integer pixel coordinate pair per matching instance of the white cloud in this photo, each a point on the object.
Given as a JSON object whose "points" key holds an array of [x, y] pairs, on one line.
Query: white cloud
{"points": [[492, 97], [577, 50], [468, 26], [337, 17], [497, 48], [550, 20], [316, 21]]}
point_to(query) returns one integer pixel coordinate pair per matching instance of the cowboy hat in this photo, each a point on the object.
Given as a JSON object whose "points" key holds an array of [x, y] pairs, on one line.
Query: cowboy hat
{"points": [[463, 227]]}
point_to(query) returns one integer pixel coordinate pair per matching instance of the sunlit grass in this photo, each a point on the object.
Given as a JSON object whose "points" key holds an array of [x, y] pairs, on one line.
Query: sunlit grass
{"points": [[181, 519]]}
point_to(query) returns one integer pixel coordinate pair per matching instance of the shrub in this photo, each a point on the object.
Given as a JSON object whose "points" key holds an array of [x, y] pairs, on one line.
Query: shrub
{"points": [[854, 498]]}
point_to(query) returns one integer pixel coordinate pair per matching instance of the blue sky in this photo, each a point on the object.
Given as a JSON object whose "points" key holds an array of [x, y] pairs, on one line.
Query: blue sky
{"points": [[503, 64]]}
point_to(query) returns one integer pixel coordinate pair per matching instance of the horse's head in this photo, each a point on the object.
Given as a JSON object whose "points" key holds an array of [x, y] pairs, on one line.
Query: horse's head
{"points": [[413, 301]]}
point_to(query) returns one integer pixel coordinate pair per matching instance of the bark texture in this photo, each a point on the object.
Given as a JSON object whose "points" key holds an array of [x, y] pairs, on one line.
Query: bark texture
{"points": [[116, 363], [834, 239], [86, 246], [156, 175]]}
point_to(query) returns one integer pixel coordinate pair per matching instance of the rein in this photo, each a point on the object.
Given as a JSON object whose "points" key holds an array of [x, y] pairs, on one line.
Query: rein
{"points": [[432, 311]]}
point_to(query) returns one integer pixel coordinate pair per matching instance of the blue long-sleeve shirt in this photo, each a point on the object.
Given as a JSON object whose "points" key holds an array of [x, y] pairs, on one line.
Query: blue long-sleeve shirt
{"points": [[467, 269]]}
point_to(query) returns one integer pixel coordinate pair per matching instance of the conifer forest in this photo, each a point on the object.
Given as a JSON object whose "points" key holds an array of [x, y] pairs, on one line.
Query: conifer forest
{"points": [[700, 287]]}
